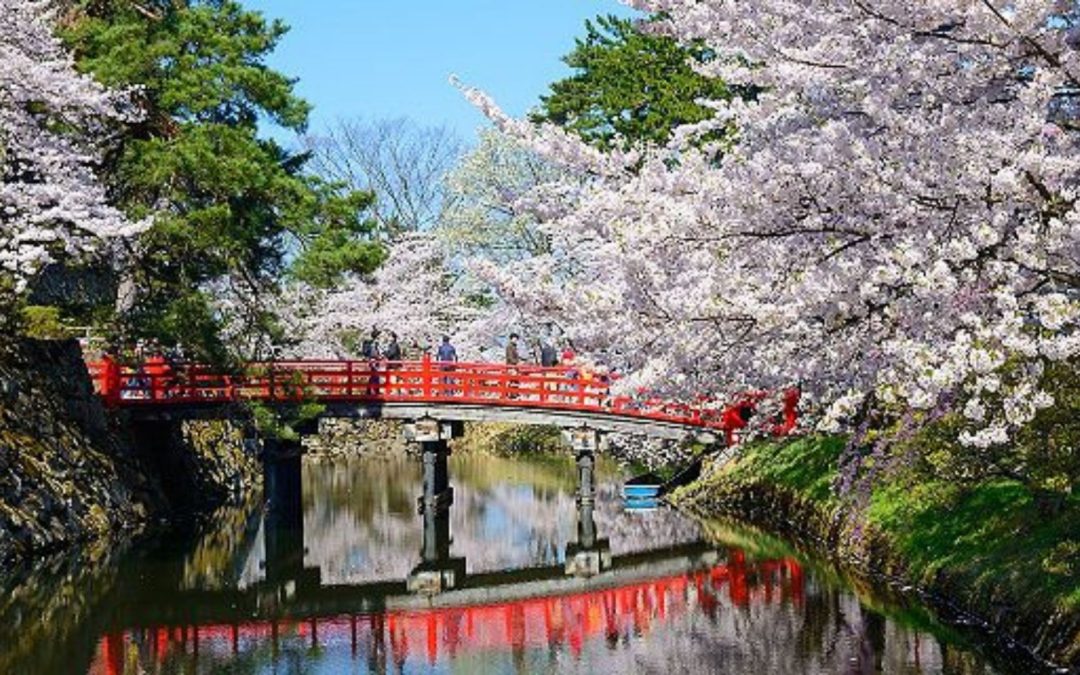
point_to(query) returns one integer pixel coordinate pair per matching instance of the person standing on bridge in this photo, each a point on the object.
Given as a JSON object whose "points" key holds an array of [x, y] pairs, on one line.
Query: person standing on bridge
{"points": [[157, 369], [392, 354], [513, 358], [446, 355], [549, 356], [111, 384], [369, 350], [568, 354], [569, 358], [393, 349]]}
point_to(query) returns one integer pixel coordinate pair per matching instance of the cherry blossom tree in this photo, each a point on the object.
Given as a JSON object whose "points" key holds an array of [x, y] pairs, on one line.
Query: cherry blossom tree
{"points": [[895, 227], [415, 294], [51, 205], [480, 218]]}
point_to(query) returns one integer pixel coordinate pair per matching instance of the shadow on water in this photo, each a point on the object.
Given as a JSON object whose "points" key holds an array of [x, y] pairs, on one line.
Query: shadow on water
{"points": [[376, 566]]}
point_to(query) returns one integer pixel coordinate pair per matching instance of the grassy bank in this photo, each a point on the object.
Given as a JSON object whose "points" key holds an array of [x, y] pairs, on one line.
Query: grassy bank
{"points": [[985, 548]]}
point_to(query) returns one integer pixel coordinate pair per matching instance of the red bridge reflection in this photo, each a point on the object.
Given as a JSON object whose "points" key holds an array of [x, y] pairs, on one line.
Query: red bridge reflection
{"points": [[568, 620]]}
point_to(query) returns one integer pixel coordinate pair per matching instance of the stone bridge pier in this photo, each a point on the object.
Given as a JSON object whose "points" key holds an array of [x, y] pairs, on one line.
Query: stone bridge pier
{"points": [[283, 529], [438, 571], [589, 555]]}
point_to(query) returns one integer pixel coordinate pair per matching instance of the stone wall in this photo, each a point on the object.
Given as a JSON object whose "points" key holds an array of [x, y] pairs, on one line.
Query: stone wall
{"points": [[506, 440], [357, 438], [635, 450], [64, 476], [655, 454], [70, 473], [196, 465], [384, 438]]}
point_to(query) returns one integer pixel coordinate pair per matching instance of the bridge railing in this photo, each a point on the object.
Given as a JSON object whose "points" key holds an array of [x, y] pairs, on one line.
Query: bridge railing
{"points": [[481, 383], [567, 388]]}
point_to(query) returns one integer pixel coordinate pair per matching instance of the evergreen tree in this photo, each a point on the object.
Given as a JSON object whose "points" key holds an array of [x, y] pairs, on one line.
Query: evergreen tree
{"points": [[226, 203], [630, 85]]}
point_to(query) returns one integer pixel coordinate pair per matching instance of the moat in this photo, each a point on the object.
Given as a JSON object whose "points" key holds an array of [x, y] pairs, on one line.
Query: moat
{"points": [[358, 581]]}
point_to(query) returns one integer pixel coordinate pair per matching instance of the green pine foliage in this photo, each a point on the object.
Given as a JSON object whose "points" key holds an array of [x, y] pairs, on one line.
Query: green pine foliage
{"points": [[225, 201], [630, 86]]}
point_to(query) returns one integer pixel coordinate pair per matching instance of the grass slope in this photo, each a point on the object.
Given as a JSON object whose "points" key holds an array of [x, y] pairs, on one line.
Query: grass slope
{"points": [[987, 540]]}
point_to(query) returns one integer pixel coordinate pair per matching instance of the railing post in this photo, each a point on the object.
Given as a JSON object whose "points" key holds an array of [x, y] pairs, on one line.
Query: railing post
{"points": [[425, 375], [270, 388], [184, 382], [348, 378]]}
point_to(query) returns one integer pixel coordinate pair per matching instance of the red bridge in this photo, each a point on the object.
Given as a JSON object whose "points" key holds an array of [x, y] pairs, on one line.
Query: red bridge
{"points": [[564, 395]]}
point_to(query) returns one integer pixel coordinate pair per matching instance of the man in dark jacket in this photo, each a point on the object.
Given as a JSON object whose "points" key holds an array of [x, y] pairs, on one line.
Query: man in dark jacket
{"points": [[446, 355], [513, 357], [549, 356], [393, 350]]}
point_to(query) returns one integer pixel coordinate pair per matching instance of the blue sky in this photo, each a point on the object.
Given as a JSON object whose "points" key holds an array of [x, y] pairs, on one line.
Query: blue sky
{"points": [[384, 59]]}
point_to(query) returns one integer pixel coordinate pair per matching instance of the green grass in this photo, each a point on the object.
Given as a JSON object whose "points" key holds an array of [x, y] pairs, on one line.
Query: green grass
{"points": [[988, 537], [805, 465]]}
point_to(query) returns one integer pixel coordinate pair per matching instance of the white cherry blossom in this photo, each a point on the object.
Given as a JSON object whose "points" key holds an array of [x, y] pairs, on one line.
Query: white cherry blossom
{"points": [[897, 218], [51, 204]]}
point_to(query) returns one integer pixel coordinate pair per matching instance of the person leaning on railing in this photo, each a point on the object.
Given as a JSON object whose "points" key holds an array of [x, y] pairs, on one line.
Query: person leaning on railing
{"points": [[513, 358], [157, 370], [369, 350]]}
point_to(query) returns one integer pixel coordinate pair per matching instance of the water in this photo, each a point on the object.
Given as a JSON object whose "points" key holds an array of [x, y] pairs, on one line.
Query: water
{"points": [[340, 587]]}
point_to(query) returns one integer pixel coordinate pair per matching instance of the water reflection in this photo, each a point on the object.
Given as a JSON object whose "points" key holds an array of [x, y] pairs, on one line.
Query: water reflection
{"points": [[551, 621], [361, 523], [330, 587]]}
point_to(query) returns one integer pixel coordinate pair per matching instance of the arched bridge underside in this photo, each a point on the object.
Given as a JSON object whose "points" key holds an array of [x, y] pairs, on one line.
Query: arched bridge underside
{"points": [[462, 412], [565, 396]]}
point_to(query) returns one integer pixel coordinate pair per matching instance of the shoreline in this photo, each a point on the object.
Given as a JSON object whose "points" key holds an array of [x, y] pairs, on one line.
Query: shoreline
{"points": [[1044, 636]]}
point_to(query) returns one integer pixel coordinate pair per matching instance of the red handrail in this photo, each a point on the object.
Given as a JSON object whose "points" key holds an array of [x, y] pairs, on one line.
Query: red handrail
{"points": [[567, 388]]}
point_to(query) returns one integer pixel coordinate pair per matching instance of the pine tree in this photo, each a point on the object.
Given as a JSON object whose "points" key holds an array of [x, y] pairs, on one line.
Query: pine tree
{"points": [[630, 85], [227, 204]]}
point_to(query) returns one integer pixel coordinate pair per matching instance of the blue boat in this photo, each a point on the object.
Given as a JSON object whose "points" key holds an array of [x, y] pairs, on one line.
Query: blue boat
{"points": [[642, 493]]}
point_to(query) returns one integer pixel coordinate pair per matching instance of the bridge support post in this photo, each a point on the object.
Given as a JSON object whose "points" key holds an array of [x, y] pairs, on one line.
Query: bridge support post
{"points": [[284, 525], [438, 571], [589, 555]]}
